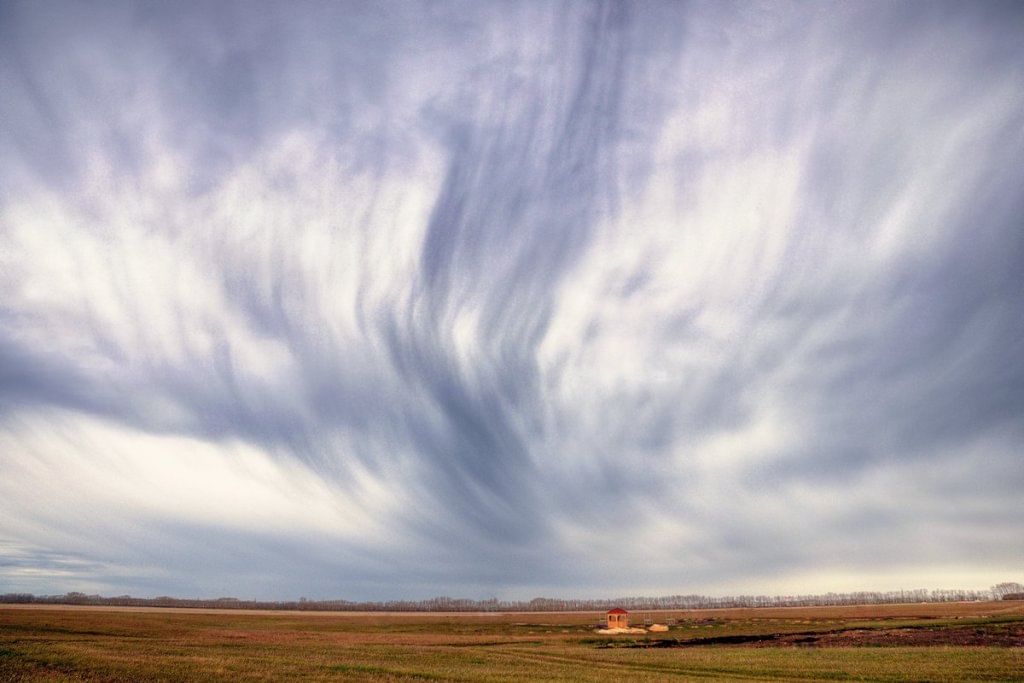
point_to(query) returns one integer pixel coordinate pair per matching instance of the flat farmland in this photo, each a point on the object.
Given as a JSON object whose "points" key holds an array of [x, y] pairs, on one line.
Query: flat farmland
{"points": [[934, 642]]}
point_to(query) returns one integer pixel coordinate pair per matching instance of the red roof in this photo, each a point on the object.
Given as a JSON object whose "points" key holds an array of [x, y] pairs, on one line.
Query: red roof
{"points": [[617, 610]]}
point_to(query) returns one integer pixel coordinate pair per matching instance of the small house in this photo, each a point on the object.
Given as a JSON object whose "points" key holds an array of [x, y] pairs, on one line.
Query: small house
{"points": [[617, 618]]}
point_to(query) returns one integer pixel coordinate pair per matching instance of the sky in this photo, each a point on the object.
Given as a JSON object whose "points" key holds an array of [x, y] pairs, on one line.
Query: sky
{"points": [[392, 300]]}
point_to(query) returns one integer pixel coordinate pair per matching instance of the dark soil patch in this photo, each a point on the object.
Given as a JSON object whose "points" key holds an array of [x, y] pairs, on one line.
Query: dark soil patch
{"points": [[1000, 635], [1003, 635]]}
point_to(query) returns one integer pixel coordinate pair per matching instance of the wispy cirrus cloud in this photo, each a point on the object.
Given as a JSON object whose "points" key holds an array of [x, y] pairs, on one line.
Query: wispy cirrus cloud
{"points": [[381, 302]]}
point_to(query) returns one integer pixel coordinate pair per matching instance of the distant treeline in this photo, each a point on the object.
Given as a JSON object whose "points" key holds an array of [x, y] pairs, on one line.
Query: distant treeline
{"points": [[1007, 591]]}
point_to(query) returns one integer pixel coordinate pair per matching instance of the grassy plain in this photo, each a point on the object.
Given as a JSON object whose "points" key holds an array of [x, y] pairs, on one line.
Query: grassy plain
{"points": [[924, 642]]}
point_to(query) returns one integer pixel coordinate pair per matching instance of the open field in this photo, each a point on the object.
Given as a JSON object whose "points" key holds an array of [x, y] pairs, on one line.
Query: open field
{"points": [[941, 642]]}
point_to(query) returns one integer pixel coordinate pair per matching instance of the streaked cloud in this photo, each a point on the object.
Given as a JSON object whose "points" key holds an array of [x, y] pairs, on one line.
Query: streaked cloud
{"points": [[390, 301]]}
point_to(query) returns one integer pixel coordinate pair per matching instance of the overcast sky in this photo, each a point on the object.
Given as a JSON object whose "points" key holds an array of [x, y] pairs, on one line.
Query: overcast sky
{"points": [[390, 300]]}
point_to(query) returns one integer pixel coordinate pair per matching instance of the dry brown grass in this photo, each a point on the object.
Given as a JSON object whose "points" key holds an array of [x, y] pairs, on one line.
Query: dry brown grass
{"points": [[125, 644]]}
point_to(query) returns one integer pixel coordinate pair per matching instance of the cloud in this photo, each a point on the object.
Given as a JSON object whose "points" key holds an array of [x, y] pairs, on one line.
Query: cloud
{"points": [[474, 299]]}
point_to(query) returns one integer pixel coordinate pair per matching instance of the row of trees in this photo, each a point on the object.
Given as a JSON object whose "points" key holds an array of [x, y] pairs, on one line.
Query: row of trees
{"points": [[445, 604]]}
